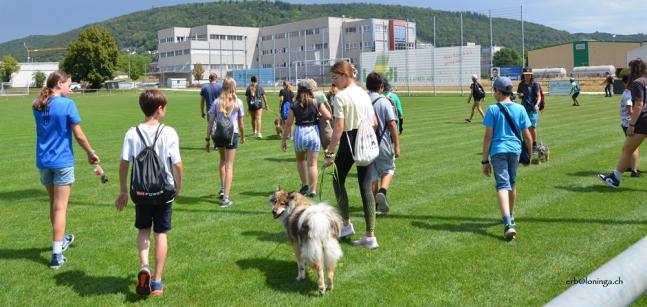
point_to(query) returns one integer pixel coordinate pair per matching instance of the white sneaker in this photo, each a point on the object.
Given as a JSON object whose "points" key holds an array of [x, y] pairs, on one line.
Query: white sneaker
{"points": [[347, 230], [259, 135], [368, 242]]}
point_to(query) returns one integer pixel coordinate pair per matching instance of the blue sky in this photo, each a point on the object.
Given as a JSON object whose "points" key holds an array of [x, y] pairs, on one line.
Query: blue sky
{"points": [[20, 18]]}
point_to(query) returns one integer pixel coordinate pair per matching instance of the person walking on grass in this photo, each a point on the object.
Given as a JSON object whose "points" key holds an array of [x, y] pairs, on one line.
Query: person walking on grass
{"points": [[502, 147], [575, 91], [388, 139], [478, 93], [57, 119], [155, 213], [256, 102], [530, 93], [625, 118], [304, 113], [226, 111], [351, 106], [286, 96], [637, 129], [608, 84], [209, 93]]}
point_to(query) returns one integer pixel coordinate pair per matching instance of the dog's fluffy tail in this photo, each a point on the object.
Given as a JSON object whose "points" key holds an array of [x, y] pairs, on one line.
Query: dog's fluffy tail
{"points": [[324, 226]]}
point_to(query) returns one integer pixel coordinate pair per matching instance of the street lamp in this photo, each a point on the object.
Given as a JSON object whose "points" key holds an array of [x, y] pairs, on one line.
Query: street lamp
{"points": [[25, 45]]}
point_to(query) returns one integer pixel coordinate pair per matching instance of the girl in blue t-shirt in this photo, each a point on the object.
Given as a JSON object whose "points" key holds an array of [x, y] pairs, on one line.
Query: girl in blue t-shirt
{"points": [[57, 119]]}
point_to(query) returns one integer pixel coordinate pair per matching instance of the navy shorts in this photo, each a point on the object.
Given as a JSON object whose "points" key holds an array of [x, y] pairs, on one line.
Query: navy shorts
{"points": [[158, 216]]}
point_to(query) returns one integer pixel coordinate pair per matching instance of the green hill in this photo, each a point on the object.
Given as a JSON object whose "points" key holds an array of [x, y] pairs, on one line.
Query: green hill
{"points": [[139, 30]]}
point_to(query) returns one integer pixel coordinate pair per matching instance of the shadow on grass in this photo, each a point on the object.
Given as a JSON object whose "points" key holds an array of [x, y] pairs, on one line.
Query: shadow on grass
{"points": [[591, 174], [257, 194], [86, 285], [476, 228], [193, 149], [265, 236], [191, 200], [518, 219], [33, 254], [280, 275], [274, 159], [600, 188], [272, 137], [24, 194]]}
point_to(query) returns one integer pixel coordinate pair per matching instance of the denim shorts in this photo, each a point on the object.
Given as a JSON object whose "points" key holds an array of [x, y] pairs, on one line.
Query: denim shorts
{"points": [[504, 166], [306, 138], [57, 176], [233, 145], [383, 165], [534, 119]]}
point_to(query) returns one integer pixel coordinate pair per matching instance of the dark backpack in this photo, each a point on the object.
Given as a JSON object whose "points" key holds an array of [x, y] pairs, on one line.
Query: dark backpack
{"points": [[223, 131], [148, 184], [478, 90]]}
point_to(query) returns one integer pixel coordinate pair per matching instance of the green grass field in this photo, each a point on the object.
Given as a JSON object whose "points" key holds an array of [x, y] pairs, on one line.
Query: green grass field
{"points": [[440, 245]]}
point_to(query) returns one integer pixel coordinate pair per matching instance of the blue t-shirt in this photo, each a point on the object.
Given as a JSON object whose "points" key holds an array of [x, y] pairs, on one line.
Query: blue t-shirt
{"points": [[54, 133], [503, 139], [211, 92]]}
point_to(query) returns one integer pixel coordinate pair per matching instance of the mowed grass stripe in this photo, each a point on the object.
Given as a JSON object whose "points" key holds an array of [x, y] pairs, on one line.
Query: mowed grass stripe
{"points": [[440, 245]]}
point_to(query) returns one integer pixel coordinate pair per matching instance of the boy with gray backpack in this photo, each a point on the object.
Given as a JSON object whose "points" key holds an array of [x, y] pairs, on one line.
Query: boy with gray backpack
{"points": [[155, 181]]}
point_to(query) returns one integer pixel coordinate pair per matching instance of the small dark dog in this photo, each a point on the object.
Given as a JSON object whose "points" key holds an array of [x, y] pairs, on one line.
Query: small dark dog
{"points": [[543, 154], [278, 127]]}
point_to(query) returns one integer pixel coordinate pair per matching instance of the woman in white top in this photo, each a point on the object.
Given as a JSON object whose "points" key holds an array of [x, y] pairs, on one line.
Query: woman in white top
{"points": [[351, 104], [227, 107]]}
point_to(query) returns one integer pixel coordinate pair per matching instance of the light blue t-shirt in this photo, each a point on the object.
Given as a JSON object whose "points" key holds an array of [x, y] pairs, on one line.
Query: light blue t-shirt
{"points": [[503, 139], [54, 133]]}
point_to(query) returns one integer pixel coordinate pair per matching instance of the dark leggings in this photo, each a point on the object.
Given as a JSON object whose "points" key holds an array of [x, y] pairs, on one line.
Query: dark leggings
{"points": [[343, 162]]}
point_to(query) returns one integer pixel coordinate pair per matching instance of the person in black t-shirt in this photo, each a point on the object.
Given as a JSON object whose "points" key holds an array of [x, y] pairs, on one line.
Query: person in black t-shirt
{"points": [[478, 93]]}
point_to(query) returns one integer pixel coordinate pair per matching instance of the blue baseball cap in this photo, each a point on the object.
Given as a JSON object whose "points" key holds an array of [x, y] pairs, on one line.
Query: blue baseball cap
{"points": [[503, 84]]}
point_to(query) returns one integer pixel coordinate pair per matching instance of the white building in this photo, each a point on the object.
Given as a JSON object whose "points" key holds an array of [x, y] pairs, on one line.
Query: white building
{"points": [[444, 66], [292, 51], [25, 76], [637, 53]]}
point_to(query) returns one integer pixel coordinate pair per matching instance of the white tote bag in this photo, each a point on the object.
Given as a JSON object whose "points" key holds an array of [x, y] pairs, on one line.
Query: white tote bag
{"points": [[366, 146]]}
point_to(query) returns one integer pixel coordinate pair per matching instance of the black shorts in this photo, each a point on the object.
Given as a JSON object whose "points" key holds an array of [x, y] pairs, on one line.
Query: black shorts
{"points": [[251, 107], [575, 95], [158, 216], [641, 124], [233, 145], [624, 129]]}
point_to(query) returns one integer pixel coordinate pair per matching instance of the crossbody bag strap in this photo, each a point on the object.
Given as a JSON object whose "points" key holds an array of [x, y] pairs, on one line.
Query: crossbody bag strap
{"points": [[513, 127]]}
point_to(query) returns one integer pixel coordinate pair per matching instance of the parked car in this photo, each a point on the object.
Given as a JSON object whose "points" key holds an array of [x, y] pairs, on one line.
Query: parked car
{"points": [[75, 86]]}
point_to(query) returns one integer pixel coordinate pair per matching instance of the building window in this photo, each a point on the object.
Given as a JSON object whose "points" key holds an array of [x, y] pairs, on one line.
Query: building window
{"points": [[187, 51], [366, 28], [266, 38], [295, 34], [350, 30], [279, 36]]}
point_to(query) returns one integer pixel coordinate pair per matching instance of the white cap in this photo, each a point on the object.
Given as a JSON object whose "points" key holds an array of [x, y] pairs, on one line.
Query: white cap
{"points": [[474, 76]]}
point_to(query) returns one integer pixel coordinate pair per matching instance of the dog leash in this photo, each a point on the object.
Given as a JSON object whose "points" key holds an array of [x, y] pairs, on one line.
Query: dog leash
{"points": [[321, 177]]}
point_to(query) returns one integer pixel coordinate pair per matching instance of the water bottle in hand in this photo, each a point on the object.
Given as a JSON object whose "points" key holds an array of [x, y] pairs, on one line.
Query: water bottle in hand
{"points": [[99, 172]]}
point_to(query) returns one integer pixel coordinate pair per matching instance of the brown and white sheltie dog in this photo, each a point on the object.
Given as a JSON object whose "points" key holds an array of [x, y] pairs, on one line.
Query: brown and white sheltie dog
{"points": [[313, 230]]}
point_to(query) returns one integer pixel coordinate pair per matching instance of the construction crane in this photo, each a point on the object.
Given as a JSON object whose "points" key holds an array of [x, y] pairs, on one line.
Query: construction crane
{"points": [[31, 50]]}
